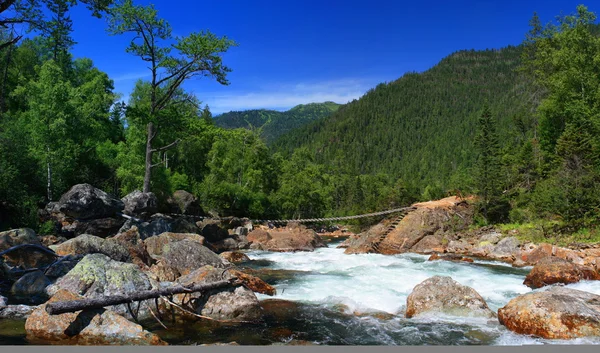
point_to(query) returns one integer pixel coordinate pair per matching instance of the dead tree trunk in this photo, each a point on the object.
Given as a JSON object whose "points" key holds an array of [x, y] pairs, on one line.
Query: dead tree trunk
{"points": [[57, 308]]}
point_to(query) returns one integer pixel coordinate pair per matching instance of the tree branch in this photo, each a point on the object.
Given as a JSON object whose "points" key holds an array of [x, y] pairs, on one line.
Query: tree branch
{"points": [[169, 146]]}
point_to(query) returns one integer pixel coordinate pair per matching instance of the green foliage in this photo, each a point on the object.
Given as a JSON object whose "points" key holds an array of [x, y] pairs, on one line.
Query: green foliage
{"points": [[271, 124], [421, 127]]}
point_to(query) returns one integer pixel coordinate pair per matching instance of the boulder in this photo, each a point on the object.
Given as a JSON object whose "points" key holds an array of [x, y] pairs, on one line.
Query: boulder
{"points": [[532, 256], [186, 256], [101, 227], [429, 228], [234, 257], [440, 294], [15, 237], [31, 288], [23, 258], [155, 244], [259, 236], [97, 276], [551, 270], [183, 202], [294, 237], [89, 244], [227, 304], [140, 204], [133, 243], [253, 283], [507, 249], [158, 224], [62, 267], [227, 244], [84, 201], [553, 313], [212, 231], [92, 327], [184, 225]]}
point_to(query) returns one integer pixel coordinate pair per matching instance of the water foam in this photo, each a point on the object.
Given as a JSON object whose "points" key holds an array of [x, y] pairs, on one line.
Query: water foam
{"points": [[366, 283]]}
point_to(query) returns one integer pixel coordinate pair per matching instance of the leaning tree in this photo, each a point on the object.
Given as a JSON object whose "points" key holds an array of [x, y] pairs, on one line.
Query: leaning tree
{"points": [[171, 60]]}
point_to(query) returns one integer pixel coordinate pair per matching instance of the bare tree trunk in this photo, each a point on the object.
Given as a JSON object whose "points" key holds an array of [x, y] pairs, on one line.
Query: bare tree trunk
{"points": [[58, 308], [149, 152]]}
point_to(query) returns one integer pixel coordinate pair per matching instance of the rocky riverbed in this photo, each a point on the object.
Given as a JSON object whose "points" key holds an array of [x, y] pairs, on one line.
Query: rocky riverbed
{"points": [[429, 280]]}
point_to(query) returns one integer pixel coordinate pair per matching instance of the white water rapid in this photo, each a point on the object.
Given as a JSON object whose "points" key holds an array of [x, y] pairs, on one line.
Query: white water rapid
{"points": [[371, 283]]}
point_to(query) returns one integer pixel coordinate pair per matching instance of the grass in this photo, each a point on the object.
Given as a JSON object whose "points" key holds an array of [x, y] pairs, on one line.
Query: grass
{"points": [[545, 231]]}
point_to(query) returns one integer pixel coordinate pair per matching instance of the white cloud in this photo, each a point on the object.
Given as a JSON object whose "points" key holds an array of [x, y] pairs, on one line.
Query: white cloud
{"points": [[285, 96]]}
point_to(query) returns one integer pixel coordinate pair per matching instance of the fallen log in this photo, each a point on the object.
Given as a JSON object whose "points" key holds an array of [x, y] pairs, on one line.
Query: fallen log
{"points": [[57, 308]]}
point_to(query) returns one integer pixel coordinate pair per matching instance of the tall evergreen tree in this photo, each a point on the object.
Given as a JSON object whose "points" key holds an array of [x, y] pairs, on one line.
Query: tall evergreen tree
{"points": [[488, 161]]}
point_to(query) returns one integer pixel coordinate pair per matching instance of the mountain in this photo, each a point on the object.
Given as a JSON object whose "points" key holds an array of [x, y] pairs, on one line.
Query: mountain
{"points": [[273, 123], [421, 127]]}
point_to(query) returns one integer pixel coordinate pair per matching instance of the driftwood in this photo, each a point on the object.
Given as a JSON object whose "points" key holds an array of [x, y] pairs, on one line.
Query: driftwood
{"points": [[57, 308]]}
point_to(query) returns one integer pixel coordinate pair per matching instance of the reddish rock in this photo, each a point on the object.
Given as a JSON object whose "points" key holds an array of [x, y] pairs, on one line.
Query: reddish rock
{"points": [[555, 313], [553, 270], [154, 245], [253, 283], [294, 237], [234, 257], [259, 236], [429, 228], [542, 251], [93, 327], [133, 243]]}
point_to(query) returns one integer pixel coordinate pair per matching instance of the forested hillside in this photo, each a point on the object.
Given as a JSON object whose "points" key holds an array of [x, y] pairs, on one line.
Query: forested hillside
{"points": [[421, 127], [271, 124]]}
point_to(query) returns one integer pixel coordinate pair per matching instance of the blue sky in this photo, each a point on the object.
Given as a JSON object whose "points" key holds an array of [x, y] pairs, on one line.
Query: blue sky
{"points": [[296, 52]]}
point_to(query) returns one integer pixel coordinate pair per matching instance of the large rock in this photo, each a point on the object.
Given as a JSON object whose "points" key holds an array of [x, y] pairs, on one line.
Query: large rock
{"points": [[157, 224], [507, 249], [184, 202], [31, 288], [92, 327], [554, 313], [155, 244], [228, 304], [444, 295], [101, 227], [15, 237], [234, 257], [132, 241], [186, 256], [89, 244], [84, 201], [295, 237], [429, 228], [253, 283], [25, 258], [140, 204], [97, 276], [551, 270], [212, 231]]}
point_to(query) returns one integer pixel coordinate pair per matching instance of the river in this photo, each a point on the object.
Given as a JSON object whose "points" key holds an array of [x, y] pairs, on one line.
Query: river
{"points": [[341, 299]]}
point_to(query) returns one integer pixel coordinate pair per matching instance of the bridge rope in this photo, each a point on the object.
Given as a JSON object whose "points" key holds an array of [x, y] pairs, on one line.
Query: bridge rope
{"points": [[306, 220]]}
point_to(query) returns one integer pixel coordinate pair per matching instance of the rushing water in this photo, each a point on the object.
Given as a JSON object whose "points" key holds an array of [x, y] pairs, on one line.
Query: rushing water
{"points": [[344, 295], [340, 299]]}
